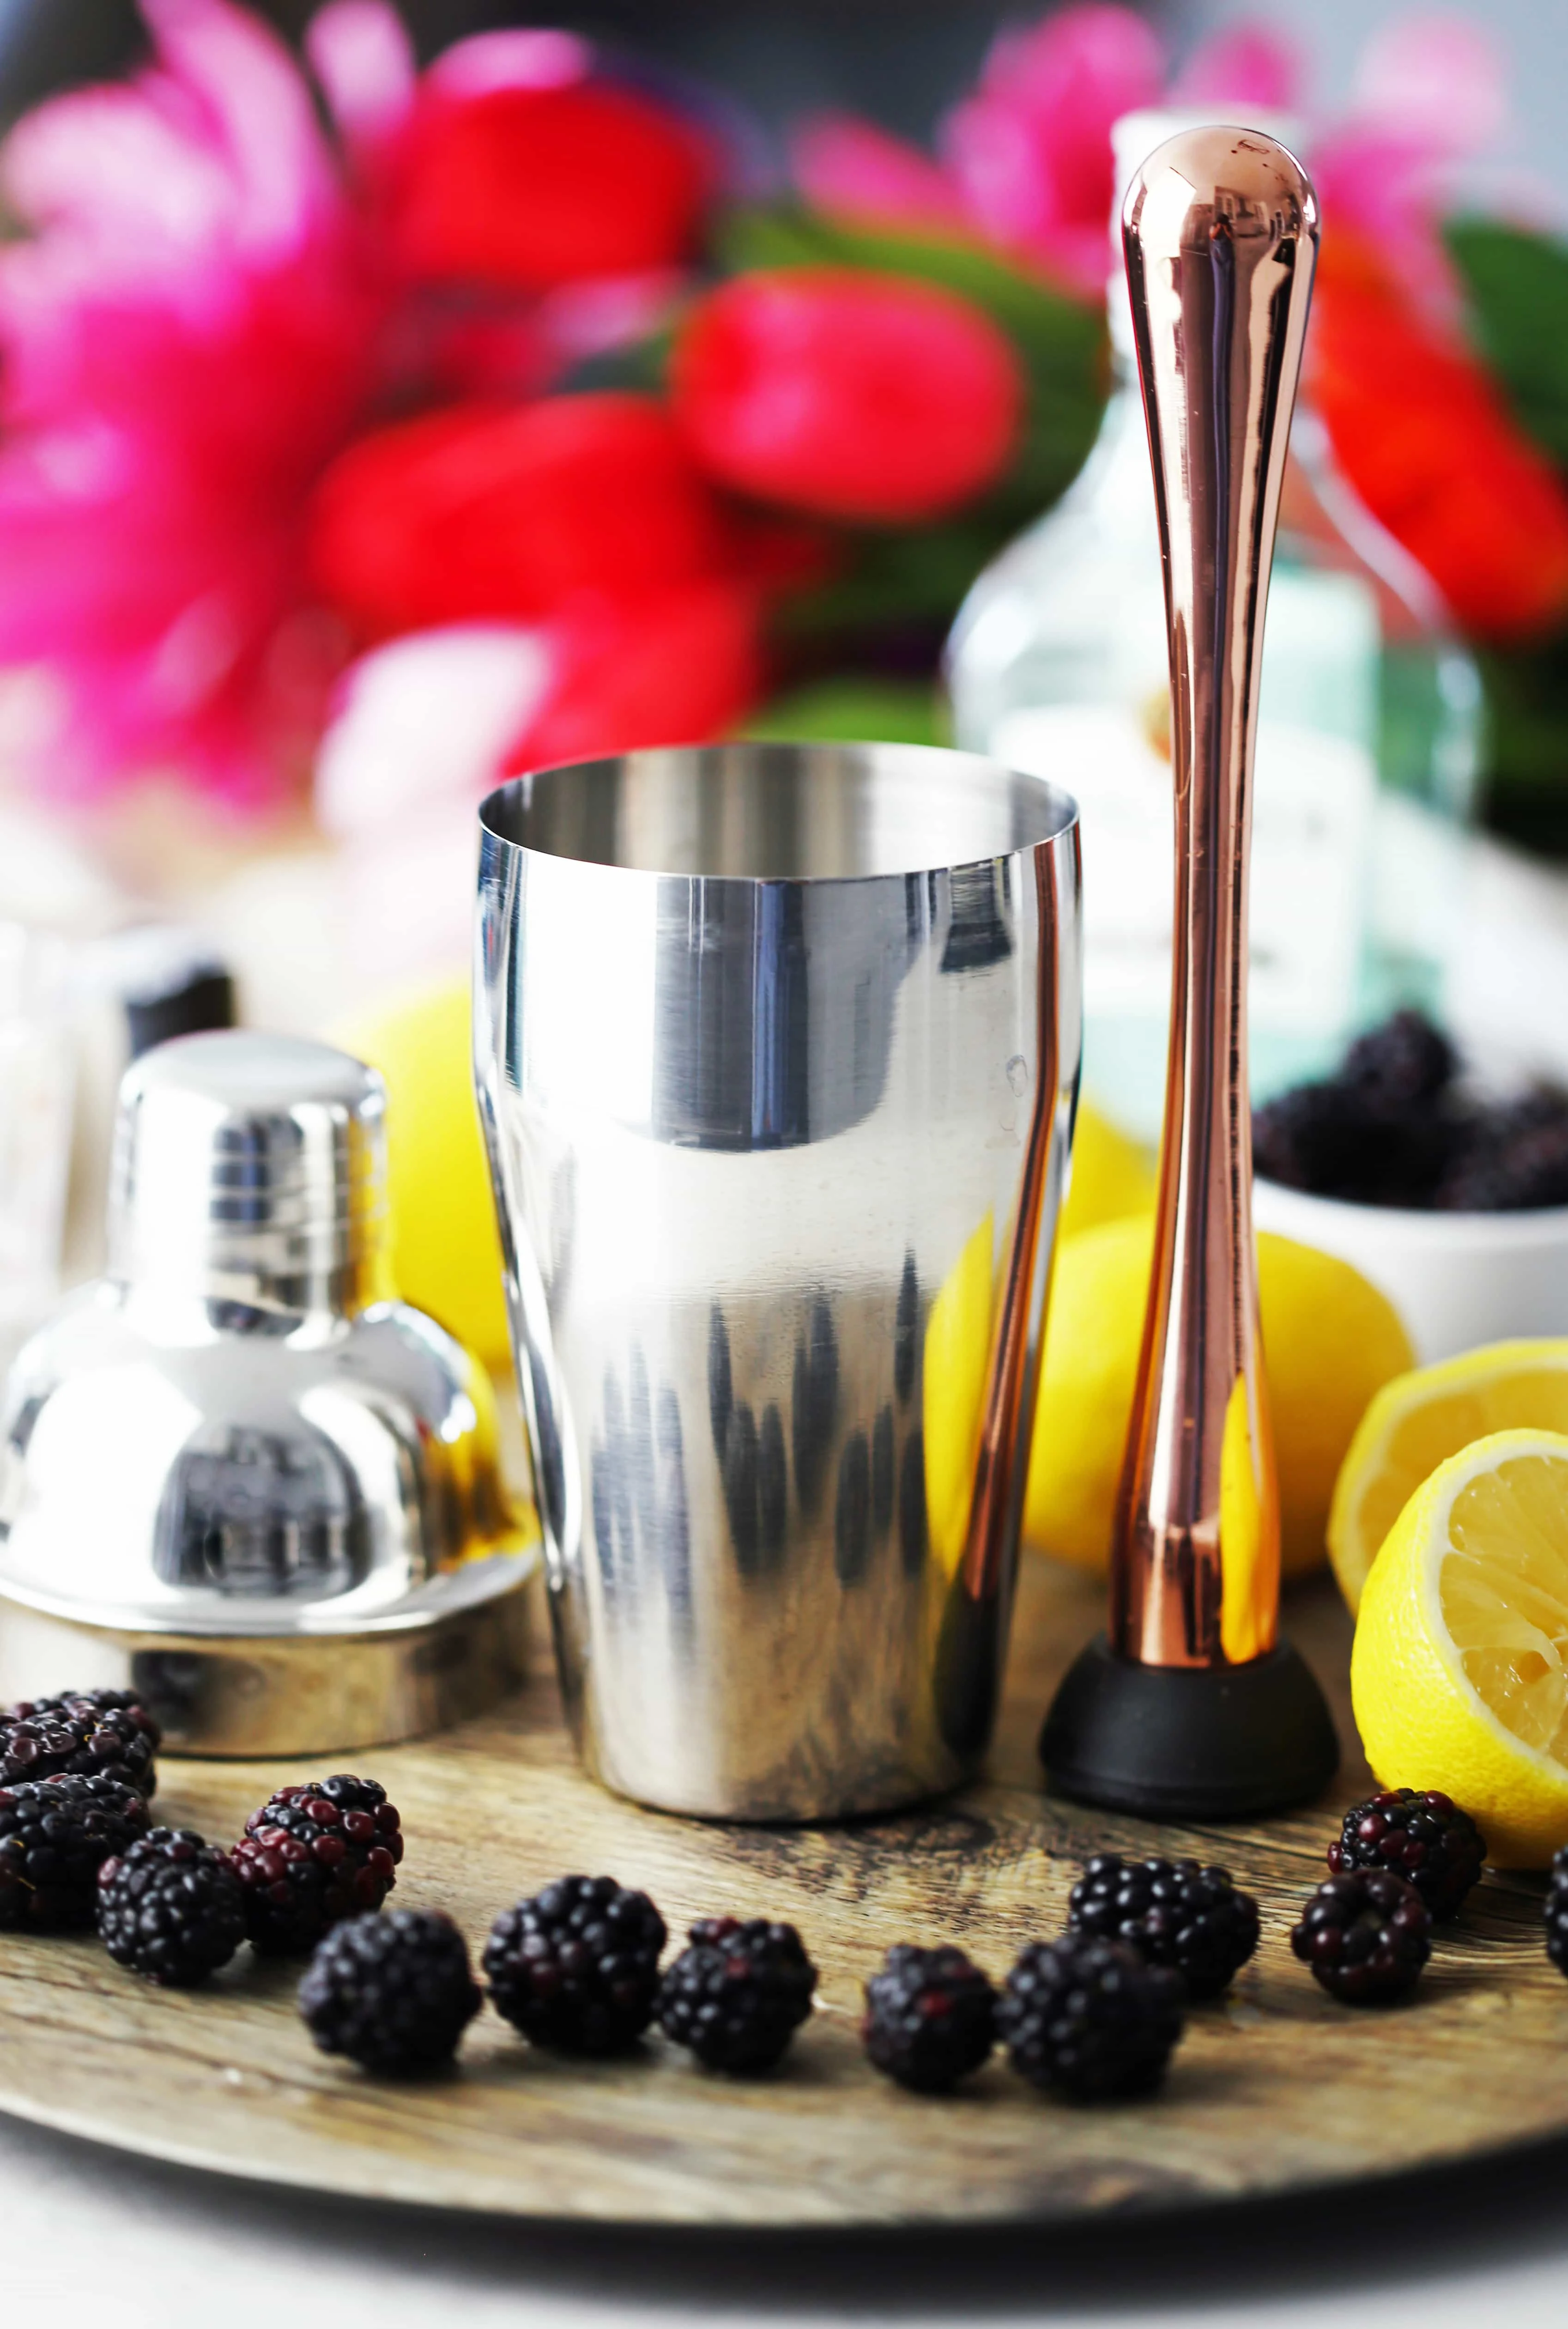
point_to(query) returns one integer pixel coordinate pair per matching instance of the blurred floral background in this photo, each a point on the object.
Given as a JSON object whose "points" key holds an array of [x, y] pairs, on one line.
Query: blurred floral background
{"points": [[544, 384], [392, 398]]}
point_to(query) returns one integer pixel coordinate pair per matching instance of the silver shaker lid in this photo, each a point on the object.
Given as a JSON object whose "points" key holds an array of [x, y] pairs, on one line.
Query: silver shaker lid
{"points": [[239, 1478], [250, 1168]]}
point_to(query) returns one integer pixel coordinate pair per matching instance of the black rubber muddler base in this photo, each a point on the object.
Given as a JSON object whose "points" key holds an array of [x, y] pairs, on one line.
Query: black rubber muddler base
{"points": [[1189, 1742]]}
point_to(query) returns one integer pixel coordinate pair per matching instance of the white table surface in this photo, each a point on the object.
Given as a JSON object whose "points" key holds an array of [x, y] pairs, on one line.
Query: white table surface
{"points": [[153, 2248]]}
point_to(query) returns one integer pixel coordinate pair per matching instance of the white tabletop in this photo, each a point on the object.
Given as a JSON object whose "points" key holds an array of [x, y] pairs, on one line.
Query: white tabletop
{"points": [[152, 2248]]}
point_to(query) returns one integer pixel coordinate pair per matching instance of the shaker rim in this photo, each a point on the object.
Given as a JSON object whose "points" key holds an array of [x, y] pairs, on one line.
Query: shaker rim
{"points": [[1042, 814]]}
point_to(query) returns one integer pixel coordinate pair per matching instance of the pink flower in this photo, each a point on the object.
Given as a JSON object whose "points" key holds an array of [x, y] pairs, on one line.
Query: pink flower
{"points": [[1429, 96], [1245, 65], [1032, 149], [851, 169], [189, 332], [1025, 161], [215, 300]]}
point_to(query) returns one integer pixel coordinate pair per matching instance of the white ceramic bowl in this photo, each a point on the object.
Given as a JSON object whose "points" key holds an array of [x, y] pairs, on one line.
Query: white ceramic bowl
{"points": [[1457, 1279]]}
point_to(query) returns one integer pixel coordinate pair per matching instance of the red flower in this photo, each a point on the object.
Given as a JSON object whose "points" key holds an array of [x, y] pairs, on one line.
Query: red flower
{"points": [[849, 393], [676, 668], [496, 511], [531, 188], [1426, 440]]}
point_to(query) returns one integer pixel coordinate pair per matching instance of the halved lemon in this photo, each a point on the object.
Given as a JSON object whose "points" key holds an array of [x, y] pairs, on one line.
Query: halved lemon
{"points": [[1459, 1672], [1419, 1420]]}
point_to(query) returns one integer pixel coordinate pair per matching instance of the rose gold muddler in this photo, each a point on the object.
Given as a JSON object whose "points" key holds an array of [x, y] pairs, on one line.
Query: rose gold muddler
{"points": [[1192, 1707]]}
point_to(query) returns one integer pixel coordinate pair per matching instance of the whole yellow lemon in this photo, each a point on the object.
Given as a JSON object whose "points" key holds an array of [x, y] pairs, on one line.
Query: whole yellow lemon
{"points": [[1330, 1341], [957, 1352], [1112, 1174], [445, 1254]]}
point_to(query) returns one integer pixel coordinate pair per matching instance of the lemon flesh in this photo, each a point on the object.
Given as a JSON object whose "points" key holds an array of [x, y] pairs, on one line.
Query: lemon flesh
{"points": [[1503, 1589], [1421, 1419], [1459, 1672]]}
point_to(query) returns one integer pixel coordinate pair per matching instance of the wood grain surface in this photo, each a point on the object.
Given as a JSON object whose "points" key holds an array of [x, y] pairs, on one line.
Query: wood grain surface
{"points": [[1274, 2088]]}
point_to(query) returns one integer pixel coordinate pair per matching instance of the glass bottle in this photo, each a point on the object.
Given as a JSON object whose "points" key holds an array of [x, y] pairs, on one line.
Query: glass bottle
{"points": [[1368, 742]]}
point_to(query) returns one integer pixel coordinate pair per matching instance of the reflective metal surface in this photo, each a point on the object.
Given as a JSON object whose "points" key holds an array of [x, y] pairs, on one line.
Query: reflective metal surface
{"points": [[1220, 227], [776, 1048], [233, 1471]]}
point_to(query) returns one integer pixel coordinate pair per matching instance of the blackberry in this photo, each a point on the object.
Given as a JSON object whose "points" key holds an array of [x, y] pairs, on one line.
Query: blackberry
{"points": [[105, 1734], [1172, 1912], [1516, 1159], [1311, 1137], [1090, 2018], [737, 1994], [1404, 1063], [1335, 1141], [394, 1993], [170, 1907], [55, 1834], [312, 1854], [1386, 1130], [1366, 1936], [1557, 1912], [1422, 1836], [577, 1966], [930, 2018]]}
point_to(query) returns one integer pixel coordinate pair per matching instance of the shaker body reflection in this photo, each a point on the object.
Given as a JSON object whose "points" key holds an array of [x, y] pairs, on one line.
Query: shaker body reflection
{"points": [[776, 1050]]}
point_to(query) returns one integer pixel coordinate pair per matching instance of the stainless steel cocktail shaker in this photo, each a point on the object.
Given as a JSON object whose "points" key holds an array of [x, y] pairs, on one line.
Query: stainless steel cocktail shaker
{"points": [[777, 1048], [235, 1476]]}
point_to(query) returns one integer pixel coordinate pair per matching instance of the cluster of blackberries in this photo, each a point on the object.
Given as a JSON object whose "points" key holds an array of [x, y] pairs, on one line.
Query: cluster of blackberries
{"points": [[1394, 1127], [574, 1968], [87, 1734], [1402, 1860], [78, 1847], [1092, 2016], [76, 1774]]}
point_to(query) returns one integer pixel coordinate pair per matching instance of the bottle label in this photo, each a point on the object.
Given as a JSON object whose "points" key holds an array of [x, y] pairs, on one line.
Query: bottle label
{"points": [[1311, 845]]}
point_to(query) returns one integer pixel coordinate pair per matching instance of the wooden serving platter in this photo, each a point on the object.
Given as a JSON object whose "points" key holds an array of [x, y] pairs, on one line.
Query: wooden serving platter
{"points": [[1275, 2087]]}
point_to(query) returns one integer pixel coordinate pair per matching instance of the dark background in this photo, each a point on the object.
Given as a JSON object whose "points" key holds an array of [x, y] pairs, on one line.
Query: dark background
{"points": [[901, 60]]}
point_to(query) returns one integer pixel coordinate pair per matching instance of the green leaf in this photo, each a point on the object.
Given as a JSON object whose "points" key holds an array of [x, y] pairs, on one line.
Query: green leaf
{"points": [[854, 710], [898, 580], [1526, 691], [1061, 341], [1517, 286]]}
